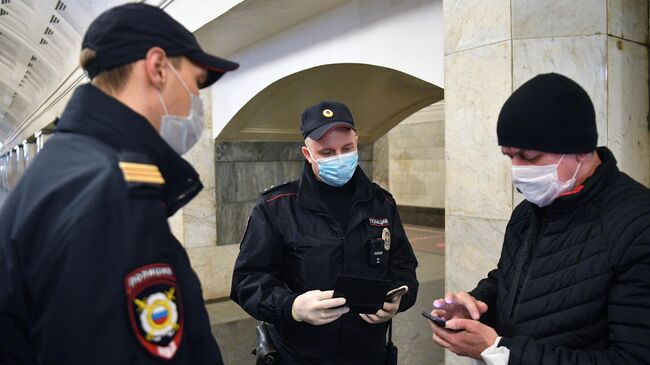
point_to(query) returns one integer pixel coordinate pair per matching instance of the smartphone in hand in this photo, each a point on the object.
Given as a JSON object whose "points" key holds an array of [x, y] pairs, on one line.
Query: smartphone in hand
{"points": [[395, 293], [440, 322]]}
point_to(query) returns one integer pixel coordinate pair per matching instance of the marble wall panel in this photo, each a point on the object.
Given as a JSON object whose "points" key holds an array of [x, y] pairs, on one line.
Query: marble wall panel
{"points": [[473, 248], [478, 82], [195, 224], [628, 19], [583, 59], [463, 32], [244, 170], [199, 216], [232, 221], [535, 19], [257, 151], [627, 107], [214, 266], [176, 226], [380, 162]]}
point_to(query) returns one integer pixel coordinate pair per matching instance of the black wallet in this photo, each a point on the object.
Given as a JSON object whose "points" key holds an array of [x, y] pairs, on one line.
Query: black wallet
{"points": [[362, 295]]}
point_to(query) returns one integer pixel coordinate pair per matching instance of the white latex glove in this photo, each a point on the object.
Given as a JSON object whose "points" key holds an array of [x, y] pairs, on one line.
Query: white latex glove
{"points": [[318, 307]]}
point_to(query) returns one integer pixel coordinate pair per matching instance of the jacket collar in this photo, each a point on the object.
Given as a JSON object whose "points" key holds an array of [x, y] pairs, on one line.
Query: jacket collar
{"points": [[309, 191], [593, 186], [93, 113]]}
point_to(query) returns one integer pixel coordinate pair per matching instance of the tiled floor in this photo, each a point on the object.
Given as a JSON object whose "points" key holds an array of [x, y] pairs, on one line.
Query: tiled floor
{"points": [[235, 329]]}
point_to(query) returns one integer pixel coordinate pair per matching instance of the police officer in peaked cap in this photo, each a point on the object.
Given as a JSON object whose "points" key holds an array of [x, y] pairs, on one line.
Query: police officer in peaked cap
{"points": [[89, 270], [302, 234]]}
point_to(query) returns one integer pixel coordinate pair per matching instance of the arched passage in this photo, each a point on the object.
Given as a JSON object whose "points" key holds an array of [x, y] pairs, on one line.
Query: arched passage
{"points": [[379, 98], [260, 145]]}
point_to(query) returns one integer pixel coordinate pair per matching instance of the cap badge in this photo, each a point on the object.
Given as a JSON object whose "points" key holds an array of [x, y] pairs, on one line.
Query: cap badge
{"points": [[328, 113]]}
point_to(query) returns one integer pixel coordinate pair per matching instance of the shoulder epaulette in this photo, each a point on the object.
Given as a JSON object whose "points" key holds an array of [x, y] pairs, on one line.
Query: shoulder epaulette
{"points": [[137, 170], [274, 187]]}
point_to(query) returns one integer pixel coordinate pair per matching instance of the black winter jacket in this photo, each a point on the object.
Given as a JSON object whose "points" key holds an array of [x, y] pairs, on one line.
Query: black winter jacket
{"points": [[293, 245], [88, 265], [573, 282]]}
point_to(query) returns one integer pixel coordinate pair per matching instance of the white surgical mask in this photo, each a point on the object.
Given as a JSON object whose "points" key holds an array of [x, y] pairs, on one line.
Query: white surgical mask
{"points": [[182, 133], [540, 184]]}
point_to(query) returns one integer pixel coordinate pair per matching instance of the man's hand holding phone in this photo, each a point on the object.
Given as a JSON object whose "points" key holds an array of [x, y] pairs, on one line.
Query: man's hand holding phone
{"points": [[455, 325]]}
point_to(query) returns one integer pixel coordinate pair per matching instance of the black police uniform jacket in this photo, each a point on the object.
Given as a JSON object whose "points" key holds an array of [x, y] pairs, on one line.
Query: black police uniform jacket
{"points": [[573, 282], [293, 245], [89, 270]]}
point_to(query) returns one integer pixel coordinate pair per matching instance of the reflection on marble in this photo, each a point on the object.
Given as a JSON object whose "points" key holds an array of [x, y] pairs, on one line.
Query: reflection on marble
{"points": [[473, 23], [417, 159], [176, 225], [627, 90], [552, 18], [583, 59], [478, 82], [472, 249], [199, 216], [380, 162], [245, 169], [214, 266], [628, 19]]}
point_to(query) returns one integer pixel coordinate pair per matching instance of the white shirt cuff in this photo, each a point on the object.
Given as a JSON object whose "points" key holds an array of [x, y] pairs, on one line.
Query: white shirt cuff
{"points": [[494, 355]]}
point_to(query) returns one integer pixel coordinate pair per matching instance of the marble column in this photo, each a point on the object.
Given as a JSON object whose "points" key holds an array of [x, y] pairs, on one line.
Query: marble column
{"points": [[29, 151], [491, 48], [195, 225], [4, 184]]}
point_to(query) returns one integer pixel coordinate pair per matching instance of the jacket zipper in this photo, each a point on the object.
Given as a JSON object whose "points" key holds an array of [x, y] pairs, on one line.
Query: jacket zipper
{"points": [[526, 256], [523, 257]]}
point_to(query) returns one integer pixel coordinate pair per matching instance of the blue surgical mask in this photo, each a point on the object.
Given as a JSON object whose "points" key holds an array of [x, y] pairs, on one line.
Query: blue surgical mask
{"points": [[337, 170]]}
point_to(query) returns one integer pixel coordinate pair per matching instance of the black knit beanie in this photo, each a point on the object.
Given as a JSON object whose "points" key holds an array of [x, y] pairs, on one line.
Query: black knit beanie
{"points": [[549, 113]]}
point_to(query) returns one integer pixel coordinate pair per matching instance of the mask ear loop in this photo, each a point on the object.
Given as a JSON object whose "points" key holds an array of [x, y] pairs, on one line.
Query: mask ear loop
{"points": [[179, 78], [577, 169], [162, 102], [310, 155], [575, 173]]}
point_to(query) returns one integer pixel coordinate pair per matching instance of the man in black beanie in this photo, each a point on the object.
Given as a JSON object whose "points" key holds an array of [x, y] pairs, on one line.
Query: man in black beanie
{"points": [[571, 286]]}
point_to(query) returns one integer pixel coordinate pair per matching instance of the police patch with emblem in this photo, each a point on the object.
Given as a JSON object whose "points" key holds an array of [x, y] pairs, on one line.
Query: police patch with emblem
{"points": [[155, 309], [385, 235]]}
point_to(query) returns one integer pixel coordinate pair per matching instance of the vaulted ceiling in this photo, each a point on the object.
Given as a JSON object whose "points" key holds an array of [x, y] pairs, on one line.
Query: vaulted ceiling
{"points": [[39, 47]]}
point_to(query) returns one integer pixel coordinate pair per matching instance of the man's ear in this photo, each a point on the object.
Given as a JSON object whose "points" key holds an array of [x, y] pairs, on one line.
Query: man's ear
{"points": [[156, 67], [581, 157], [305, 153]]}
